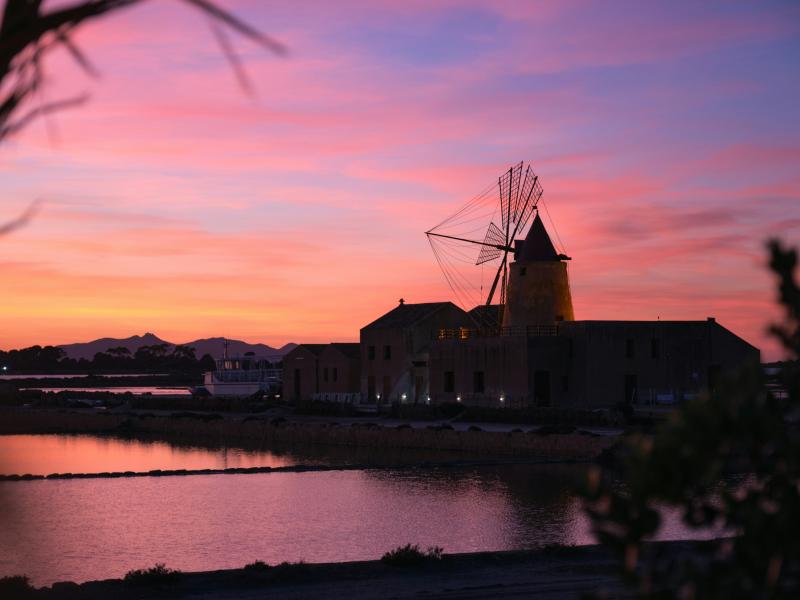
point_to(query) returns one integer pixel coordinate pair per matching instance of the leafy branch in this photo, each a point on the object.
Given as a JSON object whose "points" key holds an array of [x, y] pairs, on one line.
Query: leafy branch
{"points": [[28, 33]]}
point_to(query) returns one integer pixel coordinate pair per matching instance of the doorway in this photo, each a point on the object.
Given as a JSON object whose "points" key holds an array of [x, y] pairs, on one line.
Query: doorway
{"points": [[297, 385], [541, 388]]}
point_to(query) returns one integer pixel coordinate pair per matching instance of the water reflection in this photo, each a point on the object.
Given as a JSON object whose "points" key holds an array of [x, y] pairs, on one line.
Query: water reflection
{"points": [[43, 454], [97, 528], [87, 529], [70, 453]]}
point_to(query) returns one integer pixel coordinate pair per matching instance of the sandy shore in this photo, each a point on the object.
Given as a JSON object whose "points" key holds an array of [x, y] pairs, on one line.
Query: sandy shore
{"points": [[547, 574]]}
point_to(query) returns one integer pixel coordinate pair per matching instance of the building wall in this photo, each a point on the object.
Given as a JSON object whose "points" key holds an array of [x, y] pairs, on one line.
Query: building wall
{"points": [[538, 294], [406, 370], [618, 361], [338, 373], [513, 370], [588, 364], [300, 370]]}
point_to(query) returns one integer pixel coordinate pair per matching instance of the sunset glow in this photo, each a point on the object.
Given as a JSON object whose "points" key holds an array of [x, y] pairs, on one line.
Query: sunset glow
{"points": [[666, 141]]}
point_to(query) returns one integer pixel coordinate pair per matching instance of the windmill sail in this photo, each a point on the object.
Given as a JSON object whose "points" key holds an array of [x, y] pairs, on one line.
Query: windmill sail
{"points": [[489, 252], [471, 238]]}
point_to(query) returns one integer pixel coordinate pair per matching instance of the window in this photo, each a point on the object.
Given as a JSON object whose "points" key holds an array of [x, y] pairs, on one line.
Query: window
{"points": [[325, 374], [565, 383], [335, 374], [477, 382], [629, 348], [387, 353], [449, 381], [655, 348], [371, 353]]}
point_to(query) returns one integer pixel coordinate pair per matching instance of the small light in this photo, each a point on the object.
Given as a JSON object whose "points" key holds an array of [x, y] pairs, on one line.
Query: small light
{"points": [[378, 396], [502, 399], [458, 398], [277, 395], [403, 397], [429, 400], [5, 368]]}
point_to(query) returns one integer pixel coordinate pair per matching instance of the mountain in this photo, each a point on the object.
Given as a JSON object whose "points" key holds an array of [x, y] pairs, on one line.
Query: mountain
{"points": [[216, 347], [87, 350], [213, 346]]}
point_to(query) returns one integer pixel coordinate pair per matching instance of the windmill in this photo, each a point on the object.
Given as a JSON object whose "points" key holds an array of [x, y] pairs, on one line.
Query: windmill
{"points": [[464, 237]]}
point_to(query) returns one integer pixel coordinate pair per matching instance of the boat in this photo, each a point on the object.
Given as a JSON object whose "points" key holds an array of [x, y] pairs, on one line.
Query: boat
{"points": [[246, 375]]}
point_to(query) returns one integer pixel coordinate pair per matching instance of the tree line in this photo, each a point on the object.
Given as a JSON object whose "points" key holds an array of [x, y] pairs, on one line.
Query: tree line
{"points": [[146, 359]]}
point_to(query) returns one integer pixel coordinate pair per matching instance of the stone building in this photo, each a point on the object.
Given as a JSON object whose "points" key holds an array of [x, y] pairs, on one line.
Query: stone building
{"points": [[394, 350], [541, 356], [340, 368], [528, 352], [301, 372], [586, 364], [313, 370]]}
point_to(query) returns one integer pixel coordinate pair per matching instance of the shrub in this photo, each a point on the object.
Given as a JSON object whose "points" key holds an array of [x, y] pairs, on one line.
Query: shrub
{"points": [[741, 426], [411, 555], [258, 565], [15, 586], [157, 575]]}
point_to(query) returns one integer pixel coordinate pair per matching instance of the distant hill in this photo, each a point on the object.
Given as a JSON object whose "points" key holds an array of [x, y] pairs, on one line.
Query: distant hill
{"points": [[87, 350], [213, 346], [216, 347]]}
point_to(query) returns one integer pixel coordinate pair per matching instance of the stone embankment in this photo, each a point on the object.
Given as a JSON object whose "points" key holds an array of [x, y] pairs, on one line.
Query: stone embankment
{"points": [[579, 446]]}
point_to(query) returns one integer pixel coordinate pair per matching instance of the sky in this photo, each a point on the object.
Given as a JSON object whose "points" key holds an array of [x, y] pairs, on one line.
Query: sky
{"points": [[665, 134]]}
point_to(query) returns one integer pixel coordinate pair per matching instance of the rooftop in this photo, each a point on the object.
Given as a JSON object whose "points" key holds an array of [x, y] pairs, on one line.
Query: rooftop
{"points": [[537, 245], [406, 315]]}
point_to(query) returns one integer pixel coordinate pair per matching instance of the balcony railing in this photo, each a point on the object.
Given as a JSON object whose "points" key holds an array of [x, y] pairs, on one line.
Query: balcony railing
{"points": [[463, 333]]}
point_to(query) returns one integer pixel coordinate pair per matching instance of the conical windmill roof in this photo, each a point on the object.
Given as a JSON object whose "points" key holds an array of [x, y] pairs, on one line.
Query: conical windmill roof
{"points": [[537, 244]]}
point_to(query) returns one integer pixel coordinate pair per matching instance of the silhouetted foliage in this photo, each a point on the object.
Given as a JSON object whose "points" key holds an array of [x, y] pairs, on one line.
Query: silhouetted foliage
{"points": [[147, 359], [742, 427], [256, 566], [160, 574], [29, 32], [15, 586], [411, 555]]}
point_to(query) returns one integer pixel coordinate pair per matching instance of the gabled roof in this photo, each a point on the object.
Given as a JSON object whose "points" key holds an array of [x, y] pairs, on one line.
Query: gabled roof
{"points": [[487, 315], [350, 350], [406, 315], [537, 244], [315, 349]]}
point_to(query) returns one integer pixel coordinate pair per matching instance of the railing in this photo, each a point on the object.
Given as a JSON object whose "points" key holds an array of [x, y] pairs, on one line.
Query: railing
{"points": [[530, 330], [462, 333], [249, 376]]}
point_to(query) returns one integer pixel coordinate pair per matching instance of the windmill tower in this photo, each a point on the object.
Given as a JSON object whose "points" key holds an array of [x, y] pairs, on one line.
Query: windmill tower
{"points": [[533, 289], [538, 284]]}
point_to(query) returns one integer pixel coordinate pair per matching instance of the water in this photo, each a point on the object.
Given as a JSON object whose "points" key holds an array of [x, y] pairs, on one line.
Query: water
{"points": [[85, 529], [44, 454], [137, 390], [75, 375]]}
